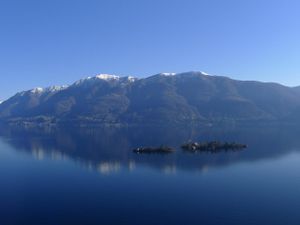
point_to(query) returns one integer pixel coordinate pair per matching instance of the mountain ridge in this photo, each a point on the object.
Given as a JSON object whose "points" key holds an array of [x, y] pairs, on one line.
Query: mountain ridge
{"points": [[188, 97]]}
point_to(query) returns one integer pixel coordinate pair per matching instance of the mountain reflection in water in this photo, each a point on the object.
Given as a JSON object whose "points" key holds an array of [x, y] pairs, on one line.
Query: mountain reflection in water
{"points": [[109, 150]]}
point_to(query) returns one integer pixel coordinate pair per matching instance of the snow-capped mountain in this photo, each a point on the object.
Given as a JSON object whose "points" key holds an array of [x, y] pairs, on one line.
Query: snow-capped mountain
{"points": [[40, 90], [190, 97], [105, 77]]}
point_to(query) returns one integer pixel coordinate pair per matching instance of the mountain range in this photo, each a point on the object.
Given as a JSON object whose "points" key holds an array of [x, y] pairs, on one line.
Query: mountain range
{"points": [[189, 97]]}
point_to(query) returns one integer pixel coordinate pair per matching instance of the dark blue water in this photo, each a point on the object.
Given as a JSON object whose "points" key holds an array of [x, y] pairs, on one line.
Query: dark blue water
{"points": [[91, 176]]}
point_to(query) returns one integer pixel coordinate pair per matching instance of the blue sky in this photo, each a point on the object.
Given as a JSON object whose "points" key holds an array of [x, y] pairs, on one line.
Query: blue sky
{"points": [[51, 42]]}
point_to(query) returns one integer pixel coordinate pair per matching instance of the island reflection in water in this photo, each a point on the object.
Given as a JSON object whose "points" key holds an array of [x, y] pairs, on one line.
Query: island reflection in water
{"points": [[110, 149]]}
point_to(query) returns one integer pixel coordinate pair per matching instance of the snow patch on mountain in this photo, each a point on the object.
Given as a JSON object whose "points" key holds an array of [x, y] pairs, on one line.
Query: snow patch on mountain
{"points": [[51, 89], [56, 88], [40, 90], [37, 90], [129, 79], [204, 73], [107, 77], [168, 74]]}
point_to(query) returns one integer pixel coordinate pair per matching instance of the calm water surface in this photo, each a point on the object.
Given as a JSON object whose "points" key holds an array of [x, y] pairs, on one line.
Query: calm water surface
{"points": [[91, 176]]}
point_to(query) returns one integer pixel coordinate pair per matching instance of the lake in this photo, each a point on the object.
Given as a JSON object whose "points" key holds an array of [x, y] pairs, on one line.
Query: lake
{"points": [[91, 176]]}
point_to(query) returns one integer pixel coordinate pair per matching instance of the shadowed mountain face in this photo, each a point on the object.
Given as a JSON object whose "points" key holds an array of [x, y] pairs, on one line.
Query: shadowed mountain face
{"points": [[191, 97]]}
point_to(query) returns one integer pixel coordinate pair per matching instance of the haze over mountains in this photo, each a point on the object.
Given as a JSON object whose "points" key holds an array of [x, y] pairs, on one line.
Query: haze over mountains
{"points": [[190, 97]]}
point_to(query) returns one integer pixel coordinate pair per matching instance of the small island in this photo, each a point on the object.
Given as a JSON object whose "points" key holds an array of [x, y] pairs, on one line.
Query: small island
{"points": [[213, 146], [161, 149]]}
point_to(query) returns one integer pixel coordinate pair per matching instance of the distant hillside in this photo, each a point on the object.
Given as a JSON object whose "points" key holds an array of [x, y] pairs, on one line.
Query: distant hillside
{"points": [[191, 97]]}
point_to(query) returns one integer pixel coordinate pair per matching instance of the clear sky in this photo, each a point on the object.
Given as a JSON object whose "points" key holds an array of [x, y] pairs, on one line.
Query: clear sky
{"points": [[51, 42]]}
